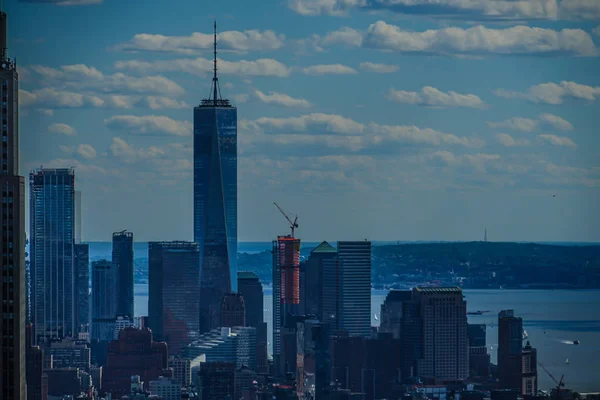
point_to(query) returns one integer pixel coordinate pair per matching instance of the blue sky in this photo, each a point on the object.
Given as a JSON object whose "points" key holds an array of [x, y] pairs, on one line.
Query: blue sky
{"points": [[380, 119]]}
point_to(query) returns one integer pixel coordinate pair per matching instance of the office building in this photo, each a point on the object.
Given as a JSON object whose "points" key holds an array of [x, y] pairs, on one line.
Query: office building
{"points": [[37, 381], [135, 353], [82, 285], [182, 370], [215, 200], [391, 314], [313, 361], [52, 208], [510, 347], [250, 288], [64, 382], [96, 375], [477, 334], [529, 380], [216, 380], [245, 380], [286, 290], [236, 345], [165, 388], [122, 259], [443, 315], [174, 287], [479, 358], [12, 222], [67, 353], [312, 280], [104, 279], [233, 310], [121, 322], [354, 260]]}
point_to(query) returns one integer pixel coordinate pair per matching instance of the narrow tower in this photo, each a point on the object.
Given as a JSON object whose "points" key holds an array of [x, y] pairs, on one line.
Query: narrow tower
{"points": [[215, 199], [12, 223]]}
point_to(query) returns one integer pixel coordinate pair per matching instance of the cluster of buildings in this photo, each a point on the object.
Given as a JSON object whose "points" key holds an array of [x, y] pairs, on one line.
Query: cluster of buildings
{"points": [[205, 336]]}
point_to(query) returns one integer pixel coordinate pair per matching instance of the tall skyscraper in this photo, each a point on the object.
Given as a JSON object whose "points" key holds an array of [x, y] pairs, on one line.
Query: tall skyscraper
{"points": [[529, 385], [78, 233], [286, 288], [104, 278], [122, 258], [355, 307], [12, 223], [313, 279], [82, 285], [52, 215], [233, 310], [174, 304], [443, 315], [510, 347], [215, 199], [251, 289]]}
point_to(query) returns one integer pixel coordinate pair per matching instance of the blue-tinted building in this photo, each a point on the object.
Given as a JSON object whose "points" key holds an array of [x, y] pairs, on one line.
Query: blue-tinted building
{"points": [[52, 230], [215, 201]]}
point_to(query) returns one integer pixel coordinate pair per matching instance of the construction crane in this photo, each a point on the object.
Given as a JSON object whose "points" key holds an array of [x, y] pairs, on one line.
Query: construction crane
{"points": [[559, 383], [293, 225]]}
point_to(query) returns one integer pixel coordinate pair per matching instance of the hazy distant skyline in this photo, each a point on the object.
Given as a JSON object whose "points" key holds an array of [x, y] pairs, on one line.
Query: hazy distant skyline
{"points": [[387, 120]]}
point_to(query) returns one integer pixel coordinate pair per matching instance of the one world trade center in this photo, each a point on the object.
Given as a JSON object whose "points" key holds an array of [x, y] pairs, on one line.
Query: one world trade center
{"points": [[215, 200]]}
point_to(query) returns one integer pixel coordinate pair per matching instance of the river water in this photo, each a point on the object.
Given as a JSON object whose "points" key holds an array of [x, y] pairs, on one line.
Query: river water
{"points": [[553, 319]]}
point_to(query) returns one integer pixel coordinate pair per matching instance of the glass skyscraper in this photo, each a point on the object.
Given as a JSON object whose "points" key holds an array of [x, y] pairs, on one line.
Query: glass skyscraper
{"points": [[122, 258], [215, 201], [52, 209]]}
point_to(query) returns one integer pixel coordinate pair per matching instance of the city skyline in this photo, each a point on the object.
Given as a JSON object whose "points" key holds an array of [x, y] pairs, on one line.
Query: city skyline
{"points": [[480, 135]]}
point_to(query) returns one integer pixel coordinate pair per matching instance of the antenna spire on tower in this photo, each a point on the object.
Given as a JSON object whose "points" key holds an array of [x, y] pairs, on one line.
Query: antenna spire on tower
{"points": [[215, 79]]}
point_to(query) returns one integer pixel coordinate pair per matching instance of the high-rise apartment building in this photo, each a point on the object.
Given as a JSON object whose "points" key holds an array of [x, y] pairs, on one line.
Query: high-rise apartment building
{"points": [[52, 215], [174, 287], [510, 347], [104, 277], [122, 258], [82, 285], [12, 223], [250, 288], [529, 381], [215, 200], [165, 388], [216, 380], [135, 353], [443, 315], [286, 289], [354, 258], [233, 310]]}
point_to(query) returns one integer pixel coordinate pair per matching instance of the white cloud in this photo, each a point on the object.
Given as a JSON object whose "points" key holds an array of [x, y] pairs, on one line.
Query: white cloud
{"points": [[477, 161], [477, 40], [250, 40], [203, 66], [82, 77], [62, 129], [596, 31], [378, 68], [432, 97], [323, 69], [463, 9], [558, 140], [241, 98], [553, 93], [158, 103], [52, 98], [119, 148], [529, 125], [509, 141], [516, 123], [557, 122], [85, 151], [281, 99], [45, 111], [149, 124]]}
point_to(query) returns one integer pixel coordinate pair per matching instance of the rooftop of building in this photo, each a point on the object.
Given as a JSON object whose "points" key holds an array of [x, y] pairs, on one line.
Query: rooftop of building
{"points": [[398, 295], [441, 289], [324, 247], [246, 275]]}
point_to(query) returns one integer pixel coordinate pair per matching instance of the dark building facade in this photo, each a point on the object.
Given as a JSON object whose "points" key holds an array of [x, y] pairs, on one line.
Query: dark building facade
{"points": [[479, 358], [250, 288], [313, 360], [216, 380], [122, 258], [52, 209], [215, 200], [477, 335], [135, 353], [82, 284], [510, 347], [104, 301], [174, 284], [312, 281], [529, 381], [12, 223], [64, 382], [233, 310], [37, 381]]}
